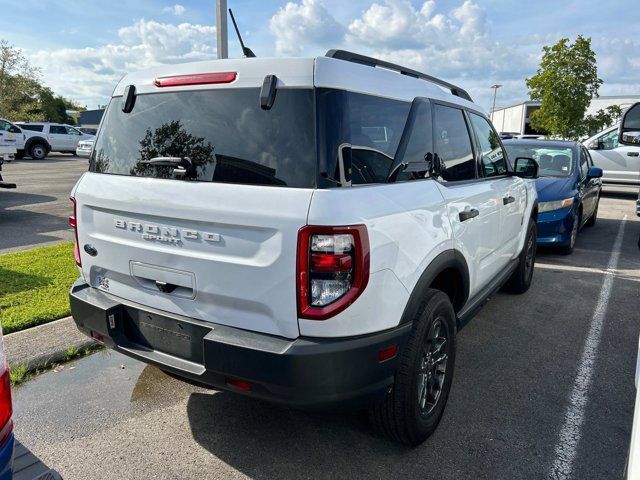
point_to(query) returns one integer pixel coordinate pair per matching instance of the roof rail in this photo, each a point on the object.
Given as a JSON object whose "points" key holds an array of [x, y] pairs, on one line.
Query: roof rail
{"points": [[374, 62]]}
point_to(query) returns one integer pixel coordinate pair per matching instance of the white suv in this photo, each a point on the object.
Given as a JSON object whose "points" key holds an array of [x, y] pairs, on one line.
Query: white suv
{"points": [[306, 231], [620, 164], [50, 137]]}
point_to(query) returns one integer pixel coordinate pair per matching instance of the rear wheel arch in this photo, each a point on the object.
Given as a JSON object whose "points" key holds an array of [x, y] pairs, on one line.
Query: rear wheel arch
{"points": [[449, 273], [32, 140]]}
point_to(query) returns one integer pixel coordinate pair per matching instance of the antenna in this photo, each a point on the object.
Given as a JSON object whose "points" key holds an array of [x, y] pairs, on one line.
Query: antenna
{"points": [[246, 51]]}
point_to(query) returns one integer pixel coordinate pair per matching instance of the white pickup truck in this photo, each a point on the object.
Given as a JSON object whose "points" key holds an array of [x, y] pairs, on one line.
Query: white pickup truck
{"points": [[37, 139]]}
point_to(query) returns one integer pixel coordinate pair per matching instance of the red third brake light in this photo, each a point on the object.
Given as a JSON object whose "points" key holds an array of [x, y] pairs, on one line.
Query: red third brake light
{"points": [[73, 222], [196, 79], [332, 270]]}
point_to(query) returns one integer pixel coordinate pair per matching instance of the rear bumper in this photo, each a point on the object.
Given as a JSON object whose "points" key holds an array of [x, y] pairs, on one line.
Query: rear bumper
{"points": [[305, 372], [554, 228]]}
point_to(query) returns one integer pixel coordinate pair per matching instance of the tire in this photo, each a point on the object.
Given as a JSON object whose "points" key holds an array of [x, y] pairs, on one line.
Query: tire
{"points": [[19, 154], [520, 280], [405, 414], [38, 151], [592, 219], [568, 248]]}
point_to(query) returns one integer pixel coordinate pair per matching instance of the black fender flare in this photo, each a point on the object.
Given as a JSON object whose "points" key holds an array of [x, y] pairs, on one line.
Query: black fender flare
{"points": [[36, 139], [447, 259]]}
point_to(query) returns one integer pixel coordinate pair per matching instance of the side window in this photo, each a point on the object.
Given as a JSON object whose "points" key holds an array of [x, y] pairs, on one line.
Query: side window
{"points": [[416, 149], [57, 129], [72, 131], [609, 141], [453, 145], [4, 125], [584, 163], [493, 162]]}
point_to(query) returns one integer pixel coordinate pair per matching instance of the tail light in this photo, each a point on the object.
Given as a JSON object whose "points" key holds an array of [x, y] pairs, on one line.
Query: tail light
{"points": [[6, 406], [333, 269], [73, 222]]}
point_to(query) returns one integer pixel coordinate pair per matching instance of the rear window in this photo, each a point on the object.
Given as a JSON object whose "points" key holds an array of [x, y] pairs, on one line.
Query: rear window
{"points": [[553, 161], [218, 136], [34, 128]]}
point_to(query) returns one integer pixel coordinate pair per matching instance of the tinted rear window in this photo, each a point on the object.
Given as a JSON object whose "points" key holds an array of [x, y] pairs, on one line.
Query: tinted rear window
{"points": [[224, 133], [34, 128]]}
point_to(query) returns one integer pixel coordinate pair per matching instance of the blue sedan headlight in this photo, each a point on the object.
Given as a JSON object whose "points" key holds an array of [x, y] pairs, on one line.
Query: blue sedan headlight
{"points": [[555, 205]]}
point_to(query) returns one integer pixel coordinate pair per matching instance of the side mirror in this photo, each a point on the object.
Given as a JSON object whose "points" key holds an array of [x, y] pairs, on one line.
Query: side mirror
{"points": [[525, 167], [594, 172], [594, 146], [629, 131]]}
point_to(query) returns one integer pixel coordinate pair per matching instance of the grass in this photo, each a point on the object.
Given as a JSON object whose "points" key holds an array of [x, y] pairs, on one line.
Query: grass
{"points": [[19, 373], [34, 286]]}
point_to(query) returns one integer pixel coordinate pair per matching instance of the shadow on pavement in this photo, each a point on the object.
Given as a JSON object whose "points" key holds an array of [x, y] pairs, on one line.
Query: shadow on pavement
{"points": [[29, 228], [18, 199], [267, 441]]}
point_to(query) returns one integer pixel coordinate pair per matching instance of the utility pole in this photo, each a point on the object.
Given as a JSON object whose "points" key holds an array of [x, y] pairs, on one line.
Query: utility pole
{"points": [[495, 91], [221, 29]]}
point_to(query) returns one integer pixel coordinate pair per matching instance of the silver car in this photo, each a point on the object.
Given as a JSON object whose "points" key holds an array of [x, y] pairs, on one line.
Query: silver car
{"points": [[620, 163], [85, 147]]}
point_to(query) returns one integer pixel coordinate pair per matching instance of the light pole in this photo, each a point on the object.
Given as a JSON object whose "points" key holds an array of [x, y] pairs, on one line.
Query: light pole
{"points": [[495, 92], [221, 29]]}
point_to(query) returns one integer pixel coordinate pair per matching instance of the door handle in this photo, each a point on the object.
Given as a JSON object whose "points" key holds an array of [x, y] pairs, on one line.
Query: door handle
{"points": [[508, 200], [467, 214], [633, 154]]}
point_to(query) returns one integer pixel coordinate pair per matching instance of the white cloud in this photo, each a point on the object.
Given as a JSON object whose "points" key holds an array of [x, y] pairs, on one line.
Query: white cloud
{"points": [[177, 10], [88, 75], [298, 25]]}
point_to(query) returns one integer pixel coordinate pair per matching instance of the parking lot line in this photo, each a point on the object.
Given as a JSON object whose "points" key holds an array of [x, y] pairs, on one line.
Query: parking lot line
{"points": [[569, 438]]}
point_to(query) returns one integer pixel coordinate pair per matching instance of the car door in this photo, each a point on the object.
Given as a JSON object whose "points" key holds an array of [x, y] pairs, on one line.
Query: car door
{"points": [[58, 138], [512, 192], [473, 204], [589, 187], [73, 136], [620, 163]]}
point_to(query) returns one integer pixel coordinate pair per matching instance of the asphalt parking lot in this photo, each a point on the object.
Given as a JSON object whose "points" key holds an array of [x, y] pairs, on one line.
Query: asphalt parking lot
{"points": [[543, 381], [37, 212]]}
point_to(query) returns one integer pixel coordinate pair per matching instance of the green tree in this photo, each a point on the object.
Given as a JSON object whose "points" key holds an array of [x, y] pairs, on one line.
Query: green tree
{"points": [[565, 83], [22, 96], [19, 85], [54, 107], [602, 119]]}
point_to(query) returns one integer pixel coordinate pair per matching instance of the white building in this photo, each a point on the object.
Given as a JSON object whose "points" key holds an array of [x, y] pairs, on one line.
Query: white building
{"points": [[515, 118]]}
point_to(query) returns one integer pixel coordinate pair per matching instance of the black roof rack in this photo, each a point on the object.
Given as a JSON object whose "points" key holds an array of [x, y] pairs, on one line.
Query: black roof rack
{"points": [[374, 62]]}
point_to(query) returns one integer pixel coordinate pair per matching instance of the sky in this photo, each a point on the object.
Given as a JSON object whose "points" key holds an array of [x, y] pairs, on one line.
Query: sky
{"points": [[83, 48]]}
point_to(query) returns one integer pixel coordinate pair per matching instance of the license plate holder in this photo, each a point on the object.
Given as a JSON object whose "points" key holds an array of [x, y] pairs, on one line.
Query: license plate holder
{"points": [[165, 334]]}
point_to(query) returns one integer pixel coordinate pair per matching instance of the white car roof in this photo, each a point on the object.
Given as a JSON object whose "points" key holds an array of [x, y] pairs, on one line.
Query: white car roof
{"points": [[297, 73]]}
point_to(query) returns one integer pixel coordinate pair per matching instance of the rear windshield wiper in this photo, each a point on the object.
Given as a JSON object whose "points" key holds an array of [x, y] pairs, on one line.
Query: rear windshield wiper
{"points": [[184, 165]]}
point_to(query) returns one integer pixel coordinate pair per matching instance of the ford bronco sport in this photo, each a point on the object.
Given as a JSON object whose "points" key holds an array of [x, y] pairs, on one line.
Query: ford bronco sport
{"points": [[306, 231]]}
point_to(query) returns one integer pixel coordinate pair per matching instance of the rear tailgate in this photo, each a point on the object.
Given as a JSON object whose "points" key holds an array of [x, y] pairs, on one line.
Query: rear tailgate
{"points": [[224, 253]]}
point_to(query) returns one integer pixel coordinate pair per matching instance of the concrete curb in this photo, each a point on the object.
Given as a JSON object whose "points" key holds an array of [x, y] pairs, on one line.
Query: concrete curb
{"points": [[44, 344]]}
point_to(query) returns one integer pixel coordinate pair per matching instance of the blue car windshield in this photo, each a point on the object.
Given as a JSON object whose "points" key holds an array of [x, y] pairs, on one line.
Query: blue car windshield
{"points": [[553, 161]]}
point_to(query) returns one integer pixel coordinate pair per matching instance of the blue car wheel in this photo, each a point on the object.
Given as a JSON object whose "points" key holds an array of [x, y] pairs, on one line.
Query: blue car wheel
{"points": [[571, 242]]}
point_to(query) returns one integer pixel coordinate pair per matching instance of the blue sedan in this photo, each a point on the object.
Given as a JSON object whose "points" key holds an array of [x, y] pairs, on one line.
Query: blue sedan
{"points": [[568, 188]]}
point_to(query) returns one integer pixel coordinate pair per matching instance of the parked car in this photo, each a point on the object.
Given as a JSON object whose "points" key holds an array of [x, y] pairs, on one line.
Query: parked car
{"points": [[308, 231], [568, 189], [620, 163], [87, 130], [51, 137], [6, 420], [84, 147], [7, 152]]}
